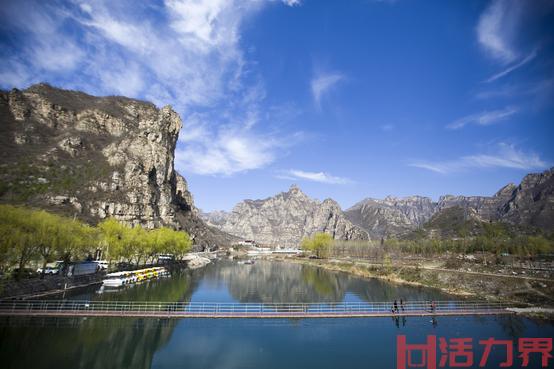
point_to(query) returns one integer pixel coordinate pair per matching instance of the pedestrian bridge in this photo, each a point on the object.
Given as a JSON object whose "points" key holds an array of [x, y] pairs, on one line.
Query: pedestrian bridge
{"points": [[158, 309]]}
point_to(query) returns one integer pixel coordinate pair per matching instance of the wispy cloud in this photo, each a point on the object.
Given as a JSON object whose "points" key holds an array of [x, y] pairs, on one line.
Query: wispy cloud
{"points": [[292, 2], [321, 177], [495, 28], [542, 89], [484, 118], [505, 156], [323, 83], [228, 150], [186, 53], [513, 67]]}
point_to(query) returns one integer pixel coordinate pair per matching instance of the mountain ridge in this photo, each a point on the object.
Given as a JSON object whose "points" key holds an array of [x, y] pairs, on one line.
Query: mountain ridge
{"points": [[285, 219], [527, 205], [531, 203]]}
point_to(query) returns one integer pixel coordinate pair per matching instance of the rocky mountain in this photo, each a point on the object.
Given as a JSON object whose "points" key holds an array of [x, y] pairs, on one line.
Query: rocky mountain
{"points": [[531, 204], [95, 157], [391, 216], [216, 218], [285, 219], [451, 222]]}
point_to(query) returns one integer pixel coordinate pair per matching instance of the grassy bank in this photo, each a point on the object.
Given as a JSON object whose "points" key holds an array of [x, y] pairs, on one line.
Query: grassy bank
{"points": [[519, 290]]}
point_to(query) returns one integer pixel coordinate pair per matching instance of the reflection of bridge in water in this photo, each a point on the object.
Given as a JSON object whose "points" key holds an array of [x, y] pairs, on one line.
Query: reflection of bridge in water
{"points": [[148, 309]]}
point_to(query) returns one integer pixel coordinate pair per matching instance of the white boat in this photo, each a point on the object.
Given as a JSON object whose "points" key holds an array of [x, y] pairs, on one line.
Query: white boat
{"points": [[287, 251], [119, 279], [259, 251]]}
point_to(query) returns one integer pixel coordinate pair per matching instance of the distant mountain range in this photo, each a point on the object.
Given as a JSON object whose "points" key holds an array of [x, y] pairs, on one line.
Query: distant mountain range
{"points": [[284, 219], [288, 217]]}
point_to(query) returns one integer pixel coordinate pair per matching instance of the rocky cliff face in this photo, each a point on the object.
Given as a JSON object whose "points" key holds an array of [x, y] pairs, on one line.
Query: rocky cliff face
{"points": [[391, 216], [285, 219], [532, 202], [95, 157], [529, 204]]}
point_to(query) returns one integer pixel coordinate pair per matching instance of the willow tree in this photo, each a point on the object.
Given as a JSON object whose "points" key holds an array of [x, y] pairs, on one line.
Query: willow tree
{"points": [[155, 243], [8, 255], [181, 243], [113, 238], [320, 244], [172, 242], [48, 235], [17, 237], [138, 244]]}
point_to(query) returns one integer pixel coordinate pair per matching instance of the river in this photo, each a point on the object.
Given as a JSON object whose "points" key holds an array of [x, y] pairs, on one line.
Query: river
{"points": [[252, 343]]}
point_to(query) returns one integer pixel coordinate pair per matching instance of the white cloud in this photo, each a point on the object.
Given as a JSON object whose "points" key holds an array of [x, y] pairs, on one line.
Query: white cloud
{"points": [[15, 74], [495, 29], [505, 156], [321, 177], [513, 67], [207, 25], [56, 56], [228, 149], [485, 118], [292, 2], [322, 83], [227, 153]]}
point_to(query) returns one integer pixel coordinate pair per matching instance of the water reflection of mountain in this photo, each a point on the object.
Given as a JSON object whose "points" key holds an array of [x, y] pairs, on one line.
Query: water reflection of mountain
{"points": [[267, 282], [275, 282]]}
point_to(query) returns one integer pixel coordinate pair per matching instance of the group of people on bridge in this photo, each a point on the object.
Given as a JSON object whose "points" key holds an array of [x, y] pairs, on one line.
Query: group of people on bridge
{"points": [[396, 306]]}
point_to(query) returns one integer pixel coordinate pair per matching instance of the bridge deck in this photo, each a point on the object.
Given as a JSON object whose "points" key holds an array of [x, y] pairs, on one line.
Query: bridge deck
{"points": [[68, 308]]}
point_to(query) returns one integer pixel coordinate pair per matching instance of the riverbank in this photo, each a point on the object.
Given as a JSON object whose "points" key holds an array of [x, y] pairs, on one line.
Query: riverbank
{"points": [[518, 290], [48, 286], [11, 289], [197, 260]]}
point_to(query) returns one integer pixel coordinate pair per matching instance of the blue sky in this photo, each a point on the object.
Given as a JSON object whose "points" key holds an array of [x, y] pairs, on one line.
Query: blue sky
{"points": [[347, 99]]}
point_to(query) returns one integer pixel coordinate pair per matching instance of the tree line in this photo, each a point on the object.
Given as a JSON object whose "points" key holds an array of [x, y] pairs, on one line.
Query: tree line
{"points": [[37, 236], [494, 241]]}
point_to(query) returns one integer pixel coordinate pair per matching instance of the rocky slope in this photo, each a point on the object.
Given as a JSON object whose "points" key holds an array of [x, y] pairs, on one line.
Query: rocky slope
{"points": [[531, 204], [391, 216], [285, 219], [95, 157]]}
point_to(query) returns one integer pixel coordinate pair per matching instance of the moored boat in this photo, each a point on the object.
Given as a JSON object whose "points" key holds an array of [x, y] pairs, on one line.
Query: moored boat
{"points": [[119, 279]]}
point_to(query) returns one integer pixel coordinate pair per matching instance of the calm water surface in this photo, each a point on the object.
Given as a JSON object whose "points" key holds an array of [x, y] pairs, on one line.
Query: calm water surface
{"points": [[248, 343]]}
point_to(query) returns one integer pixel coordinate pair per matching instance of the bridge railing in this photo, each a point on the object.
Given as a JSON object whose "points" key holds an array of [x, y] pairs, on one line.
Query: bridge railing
{"points": [[215, 308]]}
